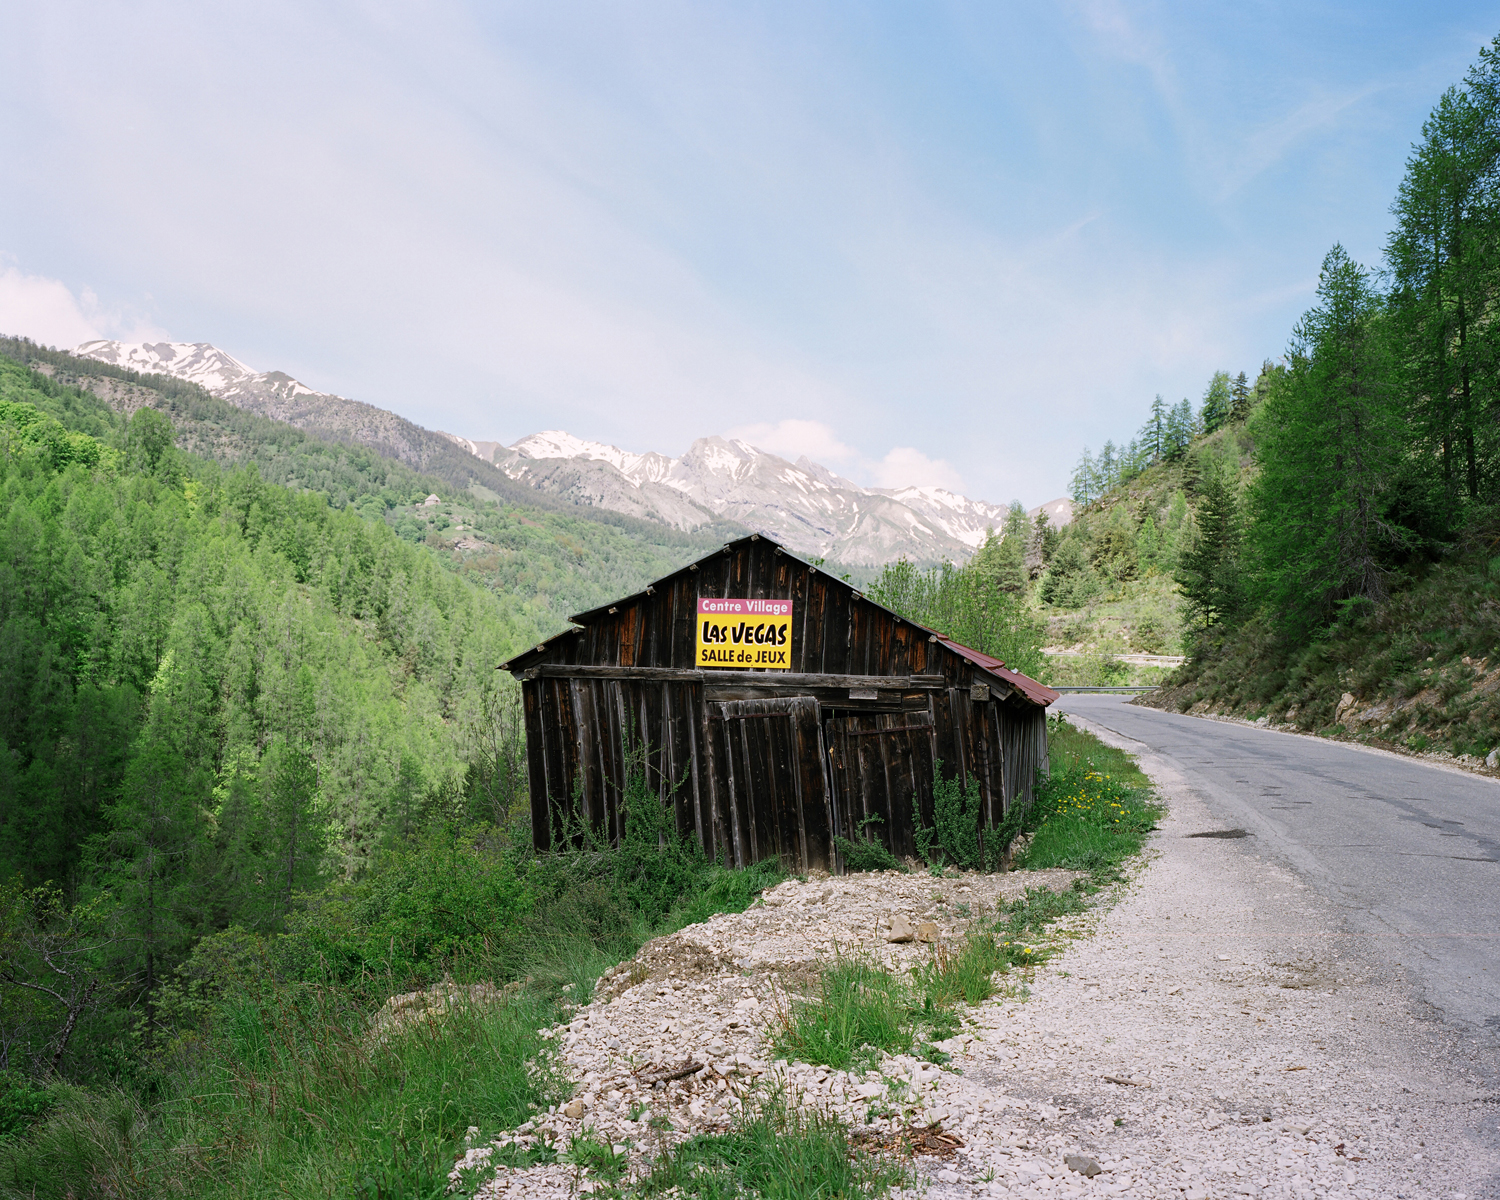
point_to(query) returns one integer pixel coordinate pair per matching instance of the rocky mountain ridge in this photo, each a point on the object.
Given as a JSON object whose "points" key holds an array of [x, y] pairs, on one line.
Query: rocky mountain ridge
{"points": [[803, 504]]}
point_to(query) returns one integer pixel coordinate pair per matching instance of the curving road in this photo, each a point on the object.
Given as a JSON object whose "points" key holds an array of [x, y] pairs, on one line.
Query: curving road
{"points": [[1409, 851]]}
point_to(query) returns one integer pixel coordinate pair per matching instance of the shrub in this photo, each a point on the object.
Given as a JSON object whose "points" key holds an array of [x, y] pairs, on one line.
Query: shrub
{"points": [[22, 1102], [432, 899], [866, 852], [955, 839]]}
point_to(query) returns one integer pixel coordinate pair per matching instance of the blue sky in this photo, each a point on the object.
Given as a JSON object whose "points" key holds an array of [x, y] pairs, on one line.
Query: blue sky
{"points": [[921, 242]]}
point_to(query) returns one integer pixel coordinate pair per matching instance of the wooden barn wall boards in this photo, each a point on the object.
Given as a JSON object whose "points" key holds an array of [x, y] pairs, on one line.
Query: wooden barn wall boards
{"points": [[772, 763]]}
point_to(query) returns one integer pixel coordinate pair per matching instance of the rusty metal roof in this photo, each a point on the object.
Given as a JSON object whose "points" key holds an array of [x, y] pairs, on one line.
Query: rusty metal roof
{"points": [[1037, 693]]}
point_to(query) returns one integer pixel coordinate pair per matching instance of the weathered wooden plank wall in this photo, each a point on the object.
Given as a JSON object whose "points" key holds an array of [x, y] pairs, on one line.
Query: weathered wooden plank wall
{"points": [[753, 773]]}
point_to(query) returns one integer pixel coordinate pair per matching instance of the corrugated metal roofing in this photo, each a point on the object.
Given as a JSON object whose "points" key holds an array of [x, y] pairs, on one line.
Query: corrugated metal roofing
{"points": [[1037, 693]]}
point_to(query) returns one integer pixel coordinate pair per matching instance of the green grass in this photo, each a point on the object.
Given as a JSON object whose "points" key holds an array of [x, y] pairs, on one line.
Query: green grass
{"points": [[331, 1110], [774, 1151], [1093, 812], [964, 974], [281, 1089], [860, 1012]]}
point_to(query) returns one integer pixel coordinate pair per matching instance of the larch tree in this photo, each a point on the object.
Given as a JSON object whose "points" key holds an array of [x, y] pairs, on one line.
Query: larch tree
{"points": [[1328, 441], [1446, 280], [1239, 398], [1210, 574], [1218, 402]]}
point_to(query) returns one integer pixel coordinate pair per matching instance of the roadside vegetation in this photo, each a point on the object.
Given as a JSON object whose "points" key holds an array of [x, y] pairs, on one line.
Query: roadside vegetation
{"points": [[1344, 582], [273, 1072]]}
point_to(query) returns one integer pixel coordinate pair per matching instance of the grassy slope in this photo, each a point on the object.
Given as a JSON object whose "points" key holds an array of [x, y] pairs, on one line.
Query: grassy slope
{"points": [[1421, 669], [1137, 609], [280, 1090]]}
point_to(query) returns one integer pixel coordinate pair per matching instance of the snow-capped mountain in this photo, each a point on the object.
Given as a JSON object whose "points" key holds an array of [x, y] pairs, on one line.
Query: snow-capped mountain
{"points": [[197, 362], [803, 504], [277, 395]]}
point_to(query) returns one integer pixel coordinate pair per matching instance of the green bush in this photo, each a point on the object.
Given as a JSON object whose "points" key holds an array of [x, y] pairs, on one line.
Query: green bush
{"points": [[431, 900], [865, 851], [22, 1102], [954, 837]]}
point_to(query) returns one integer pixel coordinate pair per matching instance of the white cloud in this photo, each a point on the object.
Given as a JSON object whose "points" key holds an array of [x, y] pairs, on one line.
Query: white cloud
{"points": [[792, 438], [906, 467], [46, 311], [43, 310]]}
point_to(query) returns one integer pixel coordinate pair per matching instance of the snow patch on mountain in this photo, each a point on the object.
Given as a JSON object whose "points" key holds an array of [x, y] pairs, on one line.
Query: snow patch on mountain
{"points": [[810, 508], [804, 504], [197, 362]]}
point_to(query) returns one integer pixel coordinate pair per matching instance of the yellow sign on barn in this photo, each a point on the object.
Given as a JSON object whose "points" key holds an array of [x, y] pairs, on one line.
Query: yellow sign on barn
{"points": [[745, 633]]}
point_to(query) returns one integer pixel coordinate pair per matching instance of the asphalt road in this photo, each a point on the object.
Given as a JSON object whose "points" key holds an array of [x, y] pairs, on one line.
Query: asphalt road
{"points": [[1409, 851]]}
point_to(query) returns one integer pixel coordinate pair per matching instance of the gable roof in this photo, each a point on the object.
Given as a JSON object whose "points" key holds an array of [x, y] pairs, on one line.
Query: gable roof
{"points": [[1037, 693]]}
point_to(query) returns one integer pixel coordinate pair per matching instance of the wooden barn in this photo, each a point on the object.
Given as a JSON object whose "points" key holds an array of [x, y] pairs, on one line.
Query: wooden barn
{"points": [[777, 705]]}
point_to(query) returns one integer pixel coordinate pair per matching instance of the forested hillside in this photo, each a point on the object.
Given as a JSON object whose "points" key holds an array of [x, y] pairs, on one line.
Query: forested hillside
{"points": [[1349, 583], [173, 636], [258, 772], [1122, 577], [520, 541]]}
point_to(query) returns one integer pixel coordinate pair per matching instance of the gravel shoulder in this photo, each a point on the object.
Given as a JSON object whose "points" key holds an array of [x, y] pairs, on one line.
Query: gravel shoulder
{"points": [[1212, 1031]]}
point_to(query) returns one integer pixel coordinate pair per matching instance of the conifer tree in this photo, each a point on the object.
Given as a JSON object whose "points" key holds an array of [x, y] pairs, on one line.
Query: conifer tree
{"points": [[1084, 490], [1218, 402], [1210, 575], [294, 835], [151, 863], [1239, 398], [1154, 432], [1446, 273], [1328, 445], [1181, 426]]}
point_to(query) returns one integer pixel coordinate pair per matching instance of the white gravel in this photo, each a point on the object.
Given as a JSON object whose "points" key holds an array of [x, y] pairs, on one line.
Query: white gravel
{"points": [[1265, 1054]]}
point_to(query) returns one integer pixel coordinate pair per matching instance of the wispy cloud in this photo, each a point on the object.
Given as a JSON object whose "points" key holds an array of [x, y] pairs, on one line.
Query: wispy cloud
{"points": [[908, 467], [792, 438]]}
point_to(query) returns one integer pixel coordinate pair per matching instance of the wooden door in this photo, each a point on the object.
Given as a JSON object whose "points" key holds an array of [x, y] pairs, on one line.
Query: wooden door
{"points": [[882, 767], [772, 789]]}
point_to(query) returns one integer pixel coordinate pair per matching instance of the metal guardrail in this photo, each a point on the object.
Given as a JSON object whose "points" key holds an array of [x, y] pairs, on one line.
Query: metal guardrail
{"points": [[1142, 687]]}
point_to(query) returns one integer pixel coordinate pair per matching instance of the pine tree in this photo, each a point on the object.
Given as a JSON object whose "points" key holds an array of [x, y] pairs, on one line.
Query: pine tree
{"points": [[1108, 468], [1181, 426], [1154, 431], [1083, 489], [1239, 398], [1446, 274], [151, 863], [294, 835], [1328, 447], [1210, 574], [1218, 402]]}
